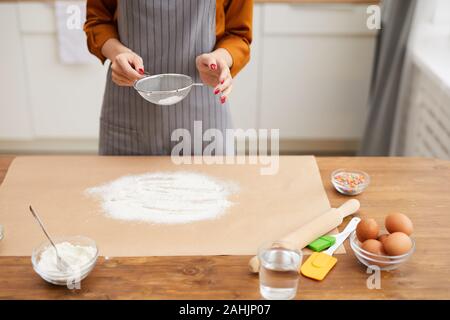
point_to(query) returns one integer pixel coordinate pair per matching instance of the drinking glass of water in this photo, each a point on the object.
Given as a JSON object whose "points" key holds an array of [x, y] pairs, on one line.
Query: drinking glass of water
{"points": [[278, 274]]}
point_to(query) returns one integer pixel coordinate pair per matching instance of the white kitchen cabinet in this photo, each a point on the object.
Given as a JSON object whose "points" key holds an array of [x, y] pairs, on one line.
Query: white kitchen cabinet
{"points": [[316, 67], [36, 17], [67, 103], [15, 120], [45, 105], [65, 100], [244, 99], [315, 19]]}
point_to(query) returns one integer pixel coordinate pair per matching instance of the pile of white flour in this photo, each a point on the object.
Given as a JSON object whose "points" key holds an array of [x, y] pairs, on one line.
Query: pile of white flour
{"points": [[165, 198], [170, 100]]}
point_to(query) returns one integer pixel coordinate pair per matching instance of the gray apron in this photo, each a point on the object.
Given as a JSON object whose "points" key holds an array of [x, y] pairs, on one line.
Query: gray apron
{"points": [[168, 35]]}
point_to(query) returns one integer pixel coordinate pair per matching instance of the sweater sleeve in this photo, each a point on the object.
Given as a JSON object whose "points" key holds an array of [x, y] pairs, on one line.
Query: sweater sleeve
{"points": [[101, 25], [237, 34]]}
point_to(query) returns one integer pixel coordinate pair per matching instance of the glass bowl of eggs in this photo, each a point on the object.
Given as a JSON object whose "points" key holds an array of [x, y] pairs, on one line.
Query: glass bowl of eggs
{"points": [[386, 250], [381, 260]]}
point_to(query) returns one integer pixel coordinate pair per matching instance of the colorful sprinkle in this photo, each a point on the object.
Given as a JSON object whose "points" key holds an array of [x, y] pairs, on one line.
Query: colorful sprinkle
{"points": [[349, 182]]}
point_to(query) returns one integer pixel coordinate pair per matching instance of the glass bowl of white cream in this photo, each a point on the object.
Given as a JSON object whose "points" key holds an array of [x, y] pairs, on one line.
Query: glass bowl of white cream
{"points": [[79, 252]]}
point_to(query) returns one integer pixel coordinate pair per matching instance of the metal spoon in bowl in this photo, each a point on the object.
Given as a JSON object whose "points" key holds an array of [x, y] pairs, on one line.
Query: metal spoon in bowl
{"points": [[62, 265]]}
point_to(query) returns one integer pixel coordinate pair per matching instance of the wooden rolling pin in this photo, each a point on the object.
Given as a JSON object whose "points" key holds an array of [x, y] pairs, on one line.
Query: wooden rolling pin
{"points": [[315, 228]]}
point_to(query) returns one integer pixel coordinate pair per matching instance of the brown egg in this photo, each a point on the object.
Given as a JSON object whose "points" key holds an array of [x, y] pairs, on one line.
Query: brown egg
{"points": [[398, 222], [382, 238], [373, 246], [397, 243], [367, 229]]}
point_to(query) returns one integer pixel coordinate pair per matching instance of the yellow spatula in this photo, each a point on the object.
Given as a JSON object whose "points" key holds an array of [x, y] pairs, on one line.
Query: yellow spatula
{"points": [[320, 263]]}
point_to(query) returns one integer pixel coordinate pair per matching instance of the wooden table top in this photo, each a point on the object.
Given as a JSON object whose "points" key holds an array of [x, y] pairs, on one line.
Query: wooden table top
{"points": [[417, 187]]}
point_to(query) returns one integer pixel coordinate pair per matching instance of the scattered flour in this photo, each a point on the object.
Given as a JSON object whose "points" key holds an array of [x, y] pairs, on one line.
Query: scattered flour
{"points": [[165, 198], [170, 100], [76, 256]]}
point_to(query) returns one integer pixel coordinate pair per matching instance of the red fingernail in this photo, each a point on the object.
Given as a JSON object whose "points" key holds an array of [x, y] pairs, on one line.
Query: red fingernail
{"points": [[223, 99], [141, 71], [221, 82], [213, 66], [216, 91]]}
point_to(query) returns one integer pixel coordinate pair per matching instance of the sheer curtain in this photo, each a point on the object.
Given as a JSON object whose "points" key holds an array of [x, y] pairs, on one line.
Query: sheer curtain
{"points": [[397, 16]]}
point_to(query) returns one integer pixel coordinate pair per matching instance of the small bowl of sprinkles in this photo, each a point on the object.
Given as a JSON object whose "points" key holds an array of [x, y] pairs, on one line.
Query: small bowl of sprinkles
{"points": [[350, 182]]}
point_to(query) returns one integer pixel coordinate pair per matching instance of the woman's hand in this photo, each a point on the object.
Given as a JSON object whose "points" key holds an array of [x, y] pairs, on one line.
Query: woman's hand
{"points": [[126, 66], [214, 69]]}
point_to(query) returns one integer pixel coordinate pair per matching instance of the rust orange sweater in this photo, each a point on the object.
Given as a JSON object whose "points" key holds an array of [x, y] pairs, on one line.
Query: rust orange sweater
{"points": [[233, 28]]}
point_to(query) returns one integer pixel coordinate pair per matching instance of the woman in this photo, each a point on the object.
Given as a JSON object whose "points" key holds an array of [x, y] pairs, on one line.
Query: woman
{"points": [[208, 40]]}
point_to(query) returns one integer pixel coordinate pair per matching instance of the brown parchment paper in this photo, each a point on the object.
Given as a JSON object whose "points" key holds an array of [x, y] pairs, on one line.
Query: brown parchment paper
{"points": [[266, 207]]}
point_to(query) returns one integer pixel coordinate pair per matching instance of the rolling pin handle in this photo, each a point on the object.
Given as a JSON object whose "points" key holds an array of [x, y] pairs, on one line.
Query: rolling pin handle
{"points": [[348, 208]]}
